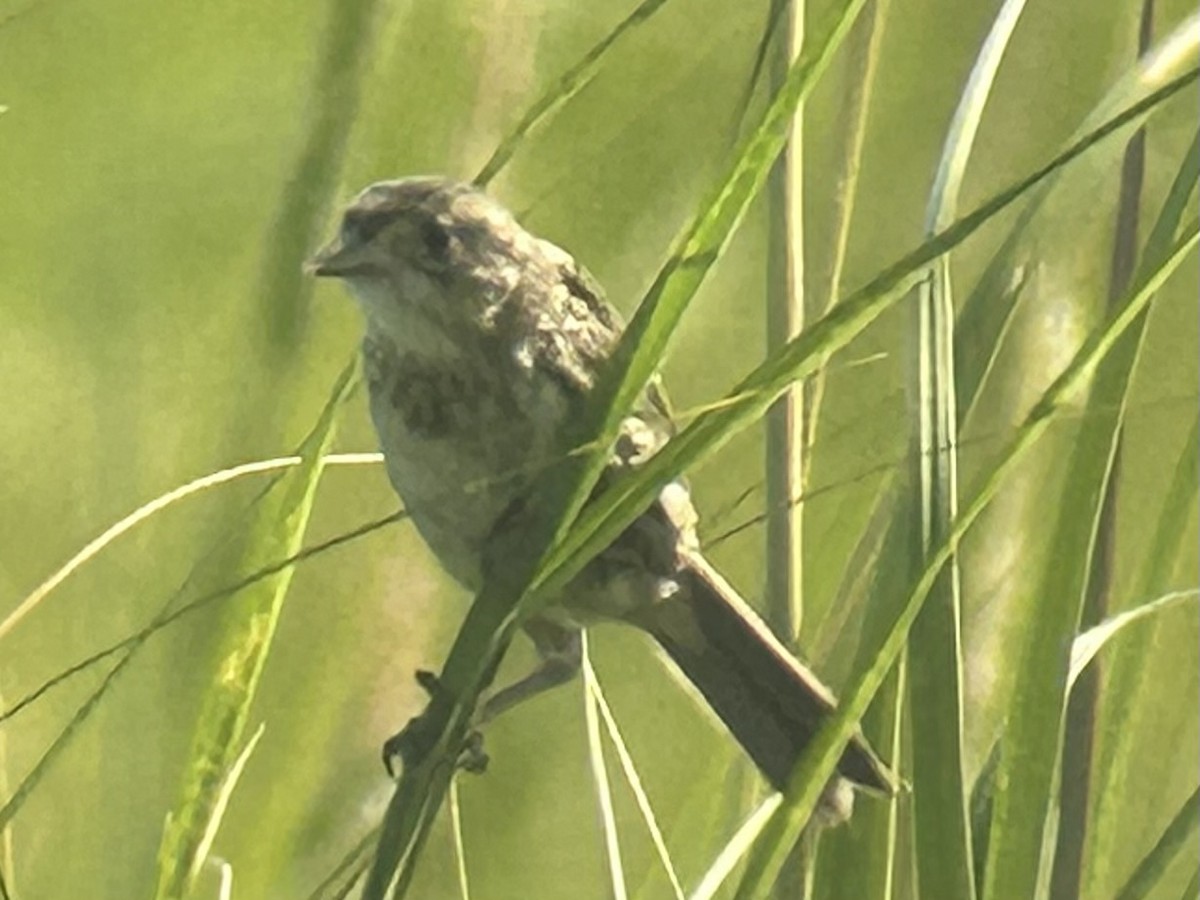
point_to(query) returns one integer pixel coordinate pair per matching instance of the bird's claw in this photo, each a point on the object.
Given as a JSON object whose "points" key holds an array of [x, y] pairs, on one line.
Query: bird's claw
{"points": [[414, 741]]}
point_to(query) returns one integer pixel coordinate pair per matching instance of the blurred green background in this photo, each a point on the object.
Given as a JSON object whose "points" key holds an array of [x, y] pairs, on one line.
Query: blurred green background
{"points": [[148, 147]]}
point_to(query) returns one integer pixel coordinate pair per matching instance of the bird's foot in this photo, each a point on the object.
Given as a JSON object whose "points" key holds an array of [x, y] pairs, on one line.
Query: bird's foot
{"points": [[414, 742]]}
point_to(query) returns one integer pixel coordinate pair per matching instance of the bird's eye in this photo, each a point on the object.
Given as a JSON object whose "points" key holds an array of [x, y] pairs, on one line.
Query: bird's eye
{"points": [[436, 238], [360, 226]]}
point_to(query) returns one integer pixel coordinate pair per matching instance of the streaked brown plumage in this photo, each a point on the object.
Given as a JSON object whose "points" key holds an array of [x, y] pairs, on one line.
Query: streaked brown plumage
{"points": [[481, 340]]}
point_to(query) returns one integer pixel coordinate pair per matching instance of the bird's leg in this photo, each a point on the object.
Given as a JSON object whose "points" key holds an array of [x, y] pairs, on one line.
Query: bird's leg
{"points": [[560, 653]]}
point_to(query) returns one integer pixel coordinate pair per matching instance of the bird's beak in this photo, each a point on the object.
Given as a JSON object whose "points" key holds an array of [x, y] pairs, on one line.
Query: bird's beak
{"points": [[334, 260]]}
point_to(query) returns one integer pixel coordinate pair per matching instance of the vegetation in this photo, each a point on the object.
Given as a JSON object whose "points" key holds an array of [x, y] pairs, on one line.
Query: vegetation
{"points": [[990, 221]]}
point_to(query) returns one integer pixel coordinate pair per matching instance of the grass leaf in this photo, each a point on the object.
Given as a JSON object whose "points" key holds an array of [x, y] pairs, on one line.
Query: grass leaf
{"points": [[277, 529]]}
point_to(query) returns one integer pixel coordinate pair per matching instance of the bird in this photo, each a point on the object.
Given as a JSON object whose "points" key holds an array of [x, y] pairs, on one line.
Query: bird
{"points": [[481, 342]]}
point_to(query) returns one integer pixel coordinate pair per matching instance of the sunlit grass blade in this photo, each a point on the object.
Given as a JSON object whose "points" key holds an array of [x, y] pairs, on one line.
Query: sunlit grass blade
{"points": [[1179, 837], [942, 826], [863, 49], [1077, 536], [1088, 534], [225, 793], [131, 642], [160, 503], [567, 86], [1030, 751], [1085, 647], [985, 318], [817, 764], [1127, 683], [785, 315], [604, 519], [130, 645], [629, 770], [735, 849], [1127, 678], [460, 852], [225, 886], [277, 529], [604, 800]]}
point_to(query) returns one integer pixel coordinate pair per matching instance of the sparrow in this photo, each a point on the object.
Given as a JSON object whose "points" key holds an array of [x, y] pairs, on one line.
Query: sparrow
{"points": [[481, 342]]}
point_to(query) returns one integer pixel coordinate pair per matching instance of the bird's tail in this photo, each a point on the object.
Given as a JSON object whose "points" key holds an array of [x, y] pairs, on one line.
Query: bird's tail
{"points": [[771, 702]]}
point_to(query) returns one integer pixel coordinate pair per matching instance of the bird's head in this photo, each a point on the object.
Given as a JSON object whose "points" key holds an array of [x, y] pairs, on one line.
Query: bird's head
{"points": [[420, 243]]}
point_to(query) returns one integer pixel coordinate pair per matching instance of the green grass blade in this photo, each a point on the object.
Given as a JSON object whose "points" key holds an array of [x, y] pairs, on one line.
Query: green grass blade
{"points": [[1193, 887], [632, 778], [1179, 837], [277, 529], [1031, 749], [601, 782], [224, 794], [984, 320], [348, 871], [492, 619], [819, 761], [735, 849], [605, 518], [460, 850], [1119, 757], [1085, 647], [941, 821], [149, 510], [567, 86], [785, 314]]}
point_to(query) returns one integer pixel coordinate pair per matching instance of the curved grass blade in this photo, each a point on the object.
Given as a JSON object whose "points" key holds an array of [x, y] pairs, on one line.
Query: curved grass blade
{"points": [[1085, 647], [132, 643], [152, 508], [818, 762], [568, 85], [1031, 749], [942, 825], [629, 770], [1127, 678], [984, 320], [276, 529], [604, 519]]}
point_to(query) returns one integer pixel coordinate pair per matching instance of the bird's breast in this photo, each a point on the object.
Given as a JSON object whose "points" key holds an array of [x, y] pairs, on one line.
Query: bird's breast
{"points": [[464, 434]]}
